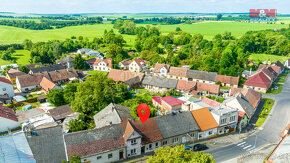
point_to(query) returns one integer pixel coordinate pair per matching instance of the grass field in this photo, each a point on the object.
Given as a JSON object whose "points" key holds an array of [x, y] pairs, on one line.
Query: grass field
{"points": [[208, 29], [267, 57], [22, 58], [265, 112]]}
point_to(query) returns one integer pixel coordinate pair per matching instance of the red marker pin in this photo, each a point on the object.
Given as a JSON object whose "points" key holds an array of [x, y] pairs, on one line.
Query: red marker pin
{"points": [[145, 116]]}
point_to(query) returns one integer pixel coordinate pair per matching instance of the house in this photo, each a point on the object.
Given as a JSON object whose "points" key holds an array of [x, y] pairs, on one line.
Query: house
{"points": [[228, 81], [259, 82], [137, 65], [206, 122], [103, 65], [31, 66], [124, 64], [277, 69], [185, 86], [252, 96], [281, 151], [12, 74], [48, 85], [47, 68], [226, 117], [158, 84], [61, 112], [84, 51], [131, 79], [28, 82], [268, 71], [42, 141], [287, 63], [98, 54], [101, 145], [278, 63], [91, 62], [246, 74], [132, 139], [251, 63], [8, 119], [15, 149], [168, 104], [177, 73], [112, 114], [205, 88], [67, 62], [6, 87], [24, 116], [14, 66], [161, 69], [240, 102], [179, 128], [201, 76], [151, 136], [156, 101]]}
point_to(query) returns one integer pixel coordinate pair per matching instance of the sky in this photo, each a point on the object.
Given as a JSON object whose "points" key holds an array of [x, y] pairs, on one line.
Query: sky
{"points": [[141, 6]]}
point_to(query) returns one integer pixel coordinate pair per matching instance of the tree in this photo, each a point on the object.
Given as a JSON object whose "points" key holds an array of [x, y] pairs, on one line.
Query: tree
{"points": [[80, 62], [178, 29], [27, 44], [179, 154], [73, 159], [69, 92], [24, 69], [219, 16], [55, 96], [76, 125]]}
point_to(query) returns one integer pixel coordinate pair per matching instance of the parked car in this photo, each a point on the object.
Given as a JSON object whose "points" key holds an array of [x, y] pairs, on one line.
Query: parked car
{"points": [[199, 147], [189, 148]]}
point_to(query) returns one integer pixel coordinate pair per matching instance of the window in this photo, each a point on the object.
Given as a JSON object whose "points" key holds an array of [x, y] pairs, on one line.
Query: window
{"points": [[192, 135], [110, 155], [223, 121], [164, 143], [175, 140], [150, 146], [210, 132], [200, 135], [4, 89], [232, 118], [156, 145], [133, 151], [133, 141], [99, 157]]}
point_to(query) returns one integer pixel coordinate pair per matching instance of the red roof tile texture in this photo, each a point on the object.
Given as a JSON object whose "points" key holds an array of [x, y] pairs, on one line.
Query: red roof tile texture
{"points": [[178, 71], [46, 84], [227, 79], [7, 113], [172, 101], [158, 66], [121, 75], [259, 80], [107, 61], [185, 85], [4, 80], [157, 99]]}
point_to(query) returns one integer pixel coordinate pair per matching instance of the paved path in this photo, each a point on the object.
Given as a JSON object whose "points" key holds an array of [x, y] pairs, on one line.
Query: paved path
{"points": [[268, 133]]}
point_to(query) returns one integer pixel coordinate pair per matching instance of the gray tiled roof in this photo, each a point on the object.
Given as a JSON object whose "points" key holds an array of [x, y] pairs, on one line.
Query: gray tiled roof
{"points": [[201, 75], [159, 81], [173, 125], [48, 145], [245, 104], [47, 68]]}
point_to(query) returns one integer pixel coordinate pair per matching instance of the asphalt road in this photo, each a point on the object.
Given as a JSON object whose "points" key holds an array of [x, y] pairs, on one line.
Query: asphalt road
{"points": [[269, 132]]}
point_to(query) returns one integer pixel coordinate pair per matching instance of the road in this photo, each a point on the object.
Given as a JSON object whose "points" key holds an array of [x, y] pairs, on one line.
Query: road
{"points": [[269, 132]]}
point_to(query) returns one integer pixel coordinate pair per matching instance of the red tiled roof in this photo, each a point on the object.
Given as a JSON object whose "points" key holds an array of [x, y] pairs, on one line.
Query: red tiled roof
{"points": [[158, 66], [149, 130], [108, 62], [46, 84], [211, 88], [227, 79], [234, 91], [121, 75], [7, 113], [91, 61], [241, 115], [12, 70], [172, 101], [178, 71], [157, 99], [259, 80], [139, 61], [185, 85], [126, 62], [276, 69], [128, 130], [252, 96], [204, 119], [211, 102], [261, 66], [4, 80]]}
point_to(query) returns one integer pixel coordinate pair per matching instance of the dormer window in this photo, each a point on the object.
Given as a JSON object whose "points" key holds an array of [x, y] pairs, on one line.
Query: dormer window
{"points": [[134, 141]]}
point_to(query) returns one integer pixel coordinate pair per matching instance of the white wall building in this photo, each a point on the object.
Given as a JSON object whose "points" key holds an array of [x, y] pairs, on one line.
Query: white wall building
{"points": [[103, 65], [6, 87]]}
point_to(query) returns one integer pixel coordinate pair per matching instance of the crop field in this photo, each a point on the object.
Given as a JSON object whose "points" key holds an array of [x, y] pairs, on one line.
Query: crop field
{"points": [[267, 57], [208, 29], [22, 58]]}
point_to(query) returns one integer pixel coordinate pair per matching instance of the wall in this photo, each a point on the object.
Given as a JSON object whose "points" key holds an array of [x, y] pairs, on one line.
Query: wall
{"points": [[106, 117], [258, 89], [136, 146], [147, 149], [155, 89], [205, 134], [134, 67], [104, 156], [9, 89], [176, 77], [7, 123], [188, 138]]}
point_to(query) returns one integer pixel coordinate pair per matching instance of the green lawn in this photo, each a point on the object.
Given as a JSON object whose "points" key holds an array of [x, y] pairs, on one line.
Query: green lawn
{"points": [[208, 29], [265, 112], [266, 57], [275, 91], [22, 58], [96, 72]]}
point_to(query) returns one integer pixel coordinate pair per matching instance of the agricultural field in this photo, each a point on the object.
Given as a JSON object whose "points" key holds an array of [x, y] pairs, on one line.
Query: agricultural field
{"points": [[22, 58], [267, 57], [209, 29]]}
